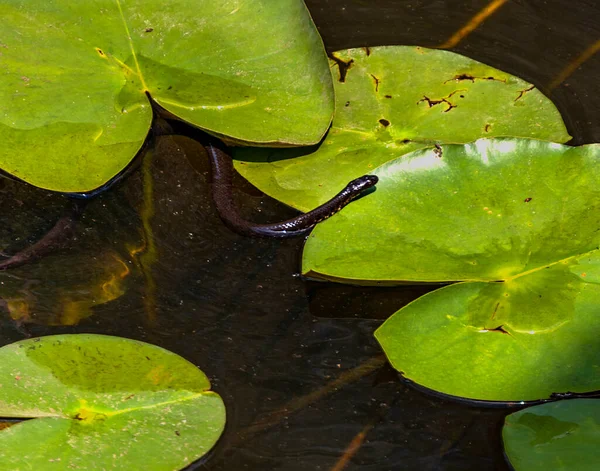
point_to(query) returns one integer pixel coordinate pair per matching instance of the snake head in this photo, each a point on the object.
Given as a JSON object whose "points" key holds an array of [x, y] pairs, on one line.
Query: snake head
{"points": [[362, 183]]}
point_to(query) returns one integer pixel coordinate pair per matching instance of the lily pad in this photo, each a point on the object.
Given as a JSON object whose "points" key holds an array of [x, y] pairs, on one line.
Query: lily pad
{"points": [[77, 75], [393, 100], [113, 402], [517, 222], [561, 436]]}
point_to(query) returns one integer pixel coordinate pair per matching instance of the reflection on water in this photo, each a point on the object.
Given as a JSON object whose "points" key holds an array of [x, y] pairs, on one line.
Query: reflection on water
{"points": [[153, 262], [71, 301]]}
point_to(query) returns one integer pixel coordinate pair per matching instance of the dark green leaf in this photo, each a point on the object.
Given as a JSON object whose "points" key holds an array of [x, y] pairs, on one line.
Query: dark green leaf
{"points": [[559, 436]]}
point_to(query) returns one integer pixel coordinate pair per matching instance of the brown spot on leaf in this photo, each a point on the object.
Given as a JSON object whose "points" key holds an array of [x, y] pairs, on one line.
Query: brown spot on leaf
{"points": [[495, 310], [342, 65], [527, 200], [384, 122], [472, 78], [500, 329], [148, 30], [388, 96], [433, 102], [367, 51], [523, 92], [377, 82]]}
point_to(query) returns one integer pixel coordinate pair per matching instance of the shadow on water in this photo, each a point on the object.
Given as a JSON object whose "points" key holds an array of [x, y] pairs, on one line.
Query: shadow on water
{"points": [[295, 361]]}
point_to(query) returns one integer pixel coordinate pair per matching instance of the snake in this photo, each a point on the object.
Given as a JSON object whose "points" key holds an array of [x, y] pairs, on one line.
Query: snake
{"points": [[222, 171]]}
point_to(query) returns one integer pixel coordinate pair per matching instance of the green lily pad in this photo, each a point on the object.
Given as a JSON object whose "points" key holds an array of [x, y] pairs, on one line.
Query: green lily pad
{"points": [[561, 436], [76, 76], [393, 100], [111, 402], [517, 221]]}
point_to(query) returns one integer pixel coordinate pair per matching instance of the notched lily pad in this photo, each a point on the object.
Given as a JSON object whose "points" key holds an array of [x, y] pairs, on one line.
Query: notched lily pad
{"points": [[75, 80], [393, 100], [561, 435], [516, 221], [118, 403]]}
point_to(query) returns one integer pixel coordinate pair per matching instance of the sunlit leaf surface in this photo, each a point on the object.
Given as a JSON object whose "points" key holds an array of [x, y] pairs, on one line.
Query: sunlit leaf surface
{"points": [[103, 402], [518, 223], [75, 78], [393, 100]]}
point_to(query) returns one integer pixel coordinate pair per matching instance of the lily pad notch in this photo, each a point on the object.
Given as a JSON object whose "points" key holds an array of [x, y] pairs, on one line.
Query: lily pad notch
{"points": [[75, 105]]}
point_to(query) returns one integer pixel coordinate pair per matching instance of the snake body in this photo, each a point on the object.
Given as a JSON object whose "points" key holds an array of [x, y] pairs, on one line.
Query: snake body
{"points": [[222, 194], [222, 173]]}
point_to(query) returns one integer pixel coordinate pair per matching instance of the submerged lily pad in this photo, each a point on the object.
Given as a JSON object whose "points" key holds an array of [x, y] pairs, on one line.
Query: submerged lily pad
{"points": [[76, 76], [393, 100], [113, 402], [517, 221], [561, 435]]}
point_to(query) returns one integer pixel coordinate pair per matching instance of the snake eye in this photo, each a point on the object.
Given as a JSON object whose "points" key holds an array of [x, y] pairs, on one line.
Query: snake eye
{"points": [[368, 181], [363, 183]]}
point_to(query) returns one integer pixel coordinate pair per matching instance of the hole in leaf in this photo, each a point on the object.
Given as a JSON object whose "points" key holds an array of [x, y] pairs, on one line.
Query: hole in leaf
{"points": [[342, 65], [377, 82], [523, 92], [472, 78]]}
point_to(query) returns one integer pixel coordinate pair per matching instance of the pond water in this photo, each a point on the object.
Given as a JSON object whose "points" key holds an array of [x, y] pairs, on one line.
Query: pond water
{"points": [[295, 360]]}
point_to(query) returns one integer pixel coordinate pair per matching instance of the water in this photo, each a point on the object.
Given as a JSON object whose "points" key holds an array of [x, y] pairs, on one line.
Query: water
{"points": [[294, 360]]}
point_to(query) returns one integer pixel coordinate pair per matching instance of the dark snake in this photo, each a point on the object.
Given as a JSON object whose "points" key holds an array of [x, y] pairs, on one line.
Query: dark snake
{"points": [[222, 193], [222, 172]]}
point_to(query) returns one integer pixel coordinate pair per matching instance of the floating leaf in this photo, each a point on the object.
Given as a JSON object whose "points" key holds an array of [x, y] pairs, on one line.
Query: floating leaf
{"points": [[106, 401], [561, 435], [518, 222], [393, 100], [76, 76]]}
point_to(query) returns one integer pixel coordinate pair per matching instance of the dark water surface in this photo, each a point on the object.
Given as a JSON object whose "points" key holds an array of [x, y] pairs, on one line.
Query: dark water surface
{"points": [[294, 360]]}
